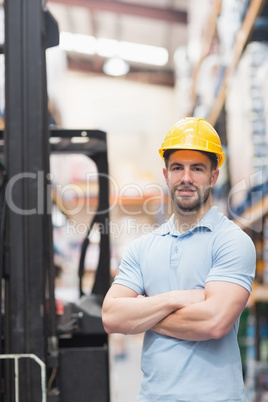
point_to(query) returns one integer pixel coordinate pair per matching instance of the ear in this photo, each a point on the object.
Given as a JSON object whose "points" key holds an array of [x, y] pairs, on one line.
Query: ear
{"points": [[165, 175], [214, 177]]}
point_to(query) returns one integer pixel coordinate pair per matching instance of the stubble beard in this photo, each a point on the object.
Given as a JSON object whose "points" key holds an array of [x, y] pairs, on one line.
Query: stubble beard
{"points": [[188, 207]]}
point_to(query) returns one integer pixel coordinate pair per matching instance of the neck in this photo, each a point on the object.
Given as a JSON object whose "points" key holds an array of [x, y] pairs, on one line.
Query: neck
{"points": [[188, 220]]}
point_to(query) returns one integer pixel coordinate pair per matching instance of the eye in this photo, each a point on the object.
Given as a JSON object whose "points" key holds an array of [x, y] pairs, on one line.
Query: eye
{"points": [[176, 168], [198, 169]]}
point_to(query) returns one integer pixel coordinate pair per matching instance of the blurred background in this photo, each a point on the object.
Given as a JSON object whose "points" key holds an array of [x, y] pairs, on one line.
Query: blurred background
{"points": [[132, 69]]}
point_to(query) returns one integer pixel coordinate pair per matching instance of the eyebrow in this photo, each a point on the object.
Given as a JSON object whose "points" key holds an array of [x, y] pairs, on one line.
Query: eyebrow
{"points": [[198, 164]]}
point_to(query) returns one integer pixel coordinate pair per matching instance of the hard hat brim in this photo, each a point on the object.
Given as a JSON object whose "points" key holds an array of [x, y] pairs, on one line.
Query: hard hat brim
{"points": [[220, 156]]}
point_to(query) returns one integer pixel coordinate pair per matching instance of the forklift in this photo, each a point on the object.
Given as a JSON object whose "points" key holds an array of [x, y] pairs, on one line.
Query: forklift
{"points": [[45, 356]]}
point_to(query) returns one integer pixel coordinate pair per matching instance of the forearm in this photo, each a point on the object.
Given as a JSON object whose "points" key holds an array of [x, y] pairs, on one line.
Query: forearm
{"points": [[192, 323], [209, 319], [132, 315]]}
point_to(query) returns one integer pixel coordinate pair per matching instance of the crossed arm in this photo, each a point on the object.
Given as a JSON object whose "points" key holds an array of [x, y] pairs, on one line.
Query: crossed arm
{"points": [[185, 314]]}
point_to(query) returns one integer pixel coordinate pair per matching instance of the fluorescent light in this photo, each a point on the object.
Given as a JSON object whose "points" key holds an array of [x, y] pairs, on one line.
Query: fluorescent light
{"points": [[78, 43], [104, 47], [136, 52], [107, 47], [86, 44]]}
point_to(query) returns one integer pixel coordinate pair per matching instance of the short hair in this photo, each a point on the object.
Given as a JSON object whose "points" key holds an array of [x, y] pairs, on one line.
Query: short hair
{"points": [[213, 157]]}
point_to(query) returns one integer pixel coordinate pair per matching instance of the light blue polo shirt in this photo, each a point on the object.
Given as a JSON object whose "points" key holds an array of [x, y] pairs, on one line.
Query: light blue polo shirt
{"points": [[216, 249]]}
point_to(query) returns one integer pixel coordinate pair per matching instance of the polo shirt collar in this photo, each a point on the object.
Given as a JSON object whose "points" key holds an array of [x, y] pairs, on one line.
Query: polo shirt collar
{"points": [[208, 221]]}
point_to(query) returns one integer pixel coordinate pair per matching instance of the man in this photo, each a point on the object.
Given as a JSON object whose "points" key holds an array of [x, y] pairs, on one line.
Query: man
{"points": [[186, 284]]}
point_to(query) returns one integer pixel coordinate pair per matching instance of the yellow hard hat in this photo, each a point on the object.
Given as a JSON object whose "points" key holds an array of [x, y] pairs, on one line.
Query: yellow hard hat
{"points": [[196, 134]]}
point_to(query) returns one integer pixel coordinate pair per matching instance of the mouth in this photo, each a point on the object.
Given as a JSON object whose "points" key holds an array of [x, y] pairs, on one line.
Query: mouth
{"points": [[186, 191]]}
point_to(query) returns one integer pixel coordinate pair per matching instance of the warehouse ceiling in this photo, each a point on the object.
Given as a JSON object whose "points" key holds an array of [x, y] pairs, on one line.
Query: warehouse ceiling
{"points": [[160, 23]]}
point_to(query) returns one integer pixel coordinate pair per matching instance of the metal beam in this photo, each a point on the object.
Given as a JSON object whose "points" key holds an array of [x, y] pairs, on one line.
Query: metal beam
{"points": [[27, 160], [118, 7]]}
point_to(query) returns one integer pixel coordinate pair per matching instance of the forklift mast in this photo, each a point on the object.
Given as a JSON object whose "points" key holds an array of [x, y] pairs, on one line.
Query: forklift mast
{"points": [[43, 358]]}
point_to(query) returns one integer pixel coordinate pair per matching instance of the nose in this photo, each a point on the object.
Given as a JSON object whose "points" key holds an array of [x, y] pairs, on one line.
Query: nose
{"points": [[187, 177]]}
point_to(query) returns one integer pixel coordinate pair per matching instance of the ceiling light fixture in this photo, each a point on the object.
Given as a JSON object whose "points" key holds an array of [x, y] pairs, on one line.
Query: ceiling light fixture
{"points": [[116, 67], [78, 43], [128, 51]]}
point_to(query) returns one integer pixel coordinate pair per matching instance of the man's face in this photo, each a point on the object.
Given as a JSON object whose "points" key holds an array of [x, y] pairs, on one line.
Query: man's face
{"points": [[189, 178]]}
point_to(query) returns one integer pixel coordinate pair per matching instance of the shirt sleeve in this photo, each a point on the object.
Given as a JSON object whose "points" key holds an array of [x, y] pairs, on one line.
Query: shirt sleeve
{"points": [[130, 274], [234, 259]]}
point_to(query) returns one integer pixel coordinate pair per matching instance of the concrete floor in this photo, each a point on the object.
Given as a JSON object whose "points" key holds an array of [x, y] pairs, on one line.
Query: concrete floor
{"points": [[125, 372]]}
